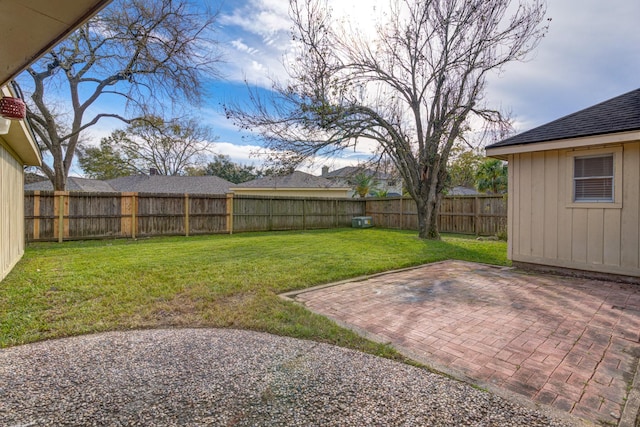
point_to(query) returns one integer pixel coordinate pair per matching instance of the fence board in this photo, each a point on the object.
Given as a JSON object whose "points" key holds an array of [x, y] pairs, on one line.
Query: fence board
{"points": [[112, 215]]}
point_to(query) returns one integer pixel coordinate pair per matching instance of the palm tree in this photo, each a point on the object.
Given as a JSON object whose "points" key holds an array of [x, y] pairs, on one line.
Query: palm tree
{"points": [[491, 176], [363, 183]]}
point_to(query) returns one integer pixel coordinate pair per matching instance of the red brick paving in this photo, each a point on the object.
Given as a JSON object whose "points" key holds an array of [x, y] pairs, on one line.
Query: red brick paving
{"points": [[569, 343]]}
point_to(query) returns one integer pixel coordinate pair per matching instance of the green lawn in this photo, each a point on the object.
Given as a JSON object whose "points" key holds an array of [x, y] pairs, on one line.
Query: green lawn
{"points": [[207, 281]]}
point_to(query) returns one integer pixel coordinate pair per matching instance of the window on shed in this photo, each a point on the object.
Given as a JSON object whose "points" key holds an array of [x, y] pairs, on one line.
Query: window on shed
{"points": [[593, 179]]}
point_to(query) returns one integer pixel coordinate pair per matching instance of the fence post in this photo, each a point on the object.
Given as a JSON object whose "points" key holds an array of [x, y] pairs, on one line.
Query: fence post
{"points": [[401, 213], [186, 215], [63, 208], [476, 207], [134, 211], [304, 214], [230, 213], [126, 213], [36, 215]]}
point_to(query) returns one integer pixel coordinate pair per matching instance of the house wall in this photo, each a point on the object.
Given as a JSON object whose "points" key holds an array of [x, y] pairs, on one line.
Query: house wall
{"points": [[546, 227], [11, 210]]}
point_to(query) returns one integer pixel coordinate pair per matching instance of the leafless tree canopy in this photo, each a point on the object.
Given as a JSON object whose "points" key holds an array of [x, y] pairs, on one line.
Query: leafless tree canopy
{"points": [[169, 147], [141, 54], [413, 88]]}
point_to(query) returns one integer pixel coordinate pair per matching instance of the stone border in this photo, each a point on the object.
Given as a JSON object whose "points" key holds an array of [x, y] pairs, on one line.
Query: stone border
{"points": [[631, 412]]}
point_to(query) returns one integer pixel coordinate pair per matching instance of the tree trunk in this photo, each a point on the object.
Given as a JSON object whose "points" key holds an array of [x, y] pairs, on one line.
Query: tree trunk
{"points": [[427, 218]]}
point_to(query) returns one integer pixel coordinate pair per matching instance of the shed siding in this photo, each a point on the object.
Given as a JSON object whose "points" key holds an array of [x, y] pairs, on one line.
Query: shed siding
{"points": [[11, 212], [545, 228]]}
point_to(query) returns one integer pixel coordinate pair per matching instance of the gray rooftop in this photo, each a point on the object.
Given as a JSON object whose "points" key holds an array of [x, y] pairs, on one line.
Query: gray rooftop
{"points": [[619, 114], [143, 184], [351, 171], [295, 180], [171, 184], [462, 191], [73, 184]]}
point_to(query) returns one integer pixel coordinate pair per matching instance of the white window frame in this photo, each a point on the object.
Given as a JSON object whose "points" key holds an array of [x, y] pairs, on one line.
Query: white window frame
{"points": [[616, 202]]}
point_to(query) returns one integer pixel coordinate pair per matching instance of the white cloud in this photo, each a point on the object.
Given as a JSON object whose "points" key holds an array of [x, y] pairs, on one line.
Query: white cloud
{"points": [[590, 54], [241, 46], [243, 154]]}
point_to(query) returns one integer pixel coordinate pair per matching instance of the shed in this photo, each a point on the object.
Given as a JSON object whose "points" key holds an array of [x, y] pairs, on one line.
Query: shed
{"points": [[574, 191], [297, 184], [17, 149]]}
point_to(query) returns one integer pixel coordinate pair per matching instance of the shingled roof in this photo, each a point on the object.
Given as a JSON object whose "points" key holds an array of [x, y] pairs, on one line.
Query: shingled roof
{"points": [[619, 114], [143, 184], [171, 184], [73, 184], [295, 180], [351, 171]]}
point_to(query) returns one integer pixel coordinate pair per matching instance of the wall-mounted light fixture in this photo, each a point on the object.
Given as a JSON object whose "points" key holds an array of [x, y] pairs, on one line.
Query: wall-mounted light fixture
{"points": [[10, 109]]}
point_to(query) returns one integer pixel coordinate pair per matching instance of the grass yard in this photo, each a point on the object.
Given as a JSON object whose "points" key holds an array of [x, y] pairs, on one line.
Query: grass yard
{"points": [[73, 288]]}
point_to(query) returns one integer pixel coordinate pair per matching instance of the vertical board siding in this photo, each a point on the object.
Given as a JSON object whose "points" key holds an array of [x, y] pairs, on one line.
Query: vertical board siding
{"points": [[117, 215], [524, 197], [630, 206], [579, 233], [11, 212], [538, 189], [565, 218], [514, 204], [547, 228], [595, 236], [612, 230], [550, 229]]}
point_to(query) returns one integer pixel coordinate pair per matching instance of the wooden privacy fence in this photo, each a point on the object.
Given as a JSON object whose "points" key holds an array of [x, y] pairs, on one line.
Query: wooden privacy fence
{"points": [[62, 215], [480, 215]]}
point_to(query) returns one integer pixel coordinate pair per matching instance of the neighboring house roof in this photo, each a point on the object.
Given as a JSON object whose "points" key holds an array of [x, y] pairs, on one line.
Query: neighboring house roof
{"points": [[143, 184], [351, 171], [30, 178], [462, 191], [73, 184], [171, 184], [619, 114], [295, 180]]}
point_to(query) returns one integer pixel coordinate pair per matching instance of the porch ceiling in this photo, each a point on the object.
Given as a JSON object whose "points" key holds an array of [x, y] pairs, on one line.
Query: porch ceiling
{"points": [[32, 27]]}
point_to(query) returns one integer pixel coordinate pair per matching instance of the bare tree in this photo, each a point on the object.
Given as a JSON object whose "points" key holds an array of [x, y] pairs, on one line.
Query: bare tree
{"points": [[413, 88], [168, 147], [141, 53]]}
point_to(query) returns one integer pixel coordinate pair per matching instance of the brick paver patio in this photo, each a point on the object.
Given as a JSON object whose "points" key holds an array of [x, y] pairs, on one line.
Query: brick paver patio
{"points": [[569, 343]]}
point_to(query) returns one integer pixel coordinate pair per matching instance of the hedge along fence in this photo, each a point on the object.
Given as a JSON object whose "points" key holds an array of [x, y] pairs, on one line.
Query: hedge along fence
{"points": [[61, 215]]}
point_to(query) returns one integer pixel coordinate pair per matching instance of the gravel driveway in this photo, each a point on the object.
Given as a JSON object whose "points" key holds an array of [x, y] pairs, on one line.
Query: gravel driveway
{"points": [[234, 378]]}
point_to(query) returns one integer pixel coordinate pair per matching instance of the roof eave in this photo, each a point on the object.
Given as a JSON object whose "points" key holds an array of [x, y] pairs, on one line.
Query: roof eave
{"points": [[20, 51], [563, 144]]}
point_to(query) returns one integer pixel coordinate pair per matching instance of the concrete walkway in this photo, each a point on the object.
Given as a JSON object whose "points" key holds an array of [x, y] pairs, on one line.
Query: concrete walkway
{"points": [[573, 344]]}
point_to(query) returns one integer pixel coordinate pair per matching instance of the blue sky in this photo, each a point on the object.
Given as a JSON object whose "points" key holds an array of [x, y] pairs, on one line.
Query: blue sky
{"points": [[590, 54]]}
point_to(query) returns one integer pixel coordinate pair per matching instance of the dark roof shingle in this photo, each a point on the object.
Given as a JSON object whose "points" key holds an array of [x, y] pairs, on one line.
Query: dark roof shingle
{"points": [[143, 184], [171, 184], [619, 114], [351, 171], [295, 180], [74, 184]]}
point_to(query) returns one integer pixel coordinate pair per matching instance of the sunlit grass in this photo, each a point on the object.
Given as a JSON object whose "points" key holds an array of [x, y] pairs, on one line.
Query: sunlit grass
{"points": [[207, 281]]}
